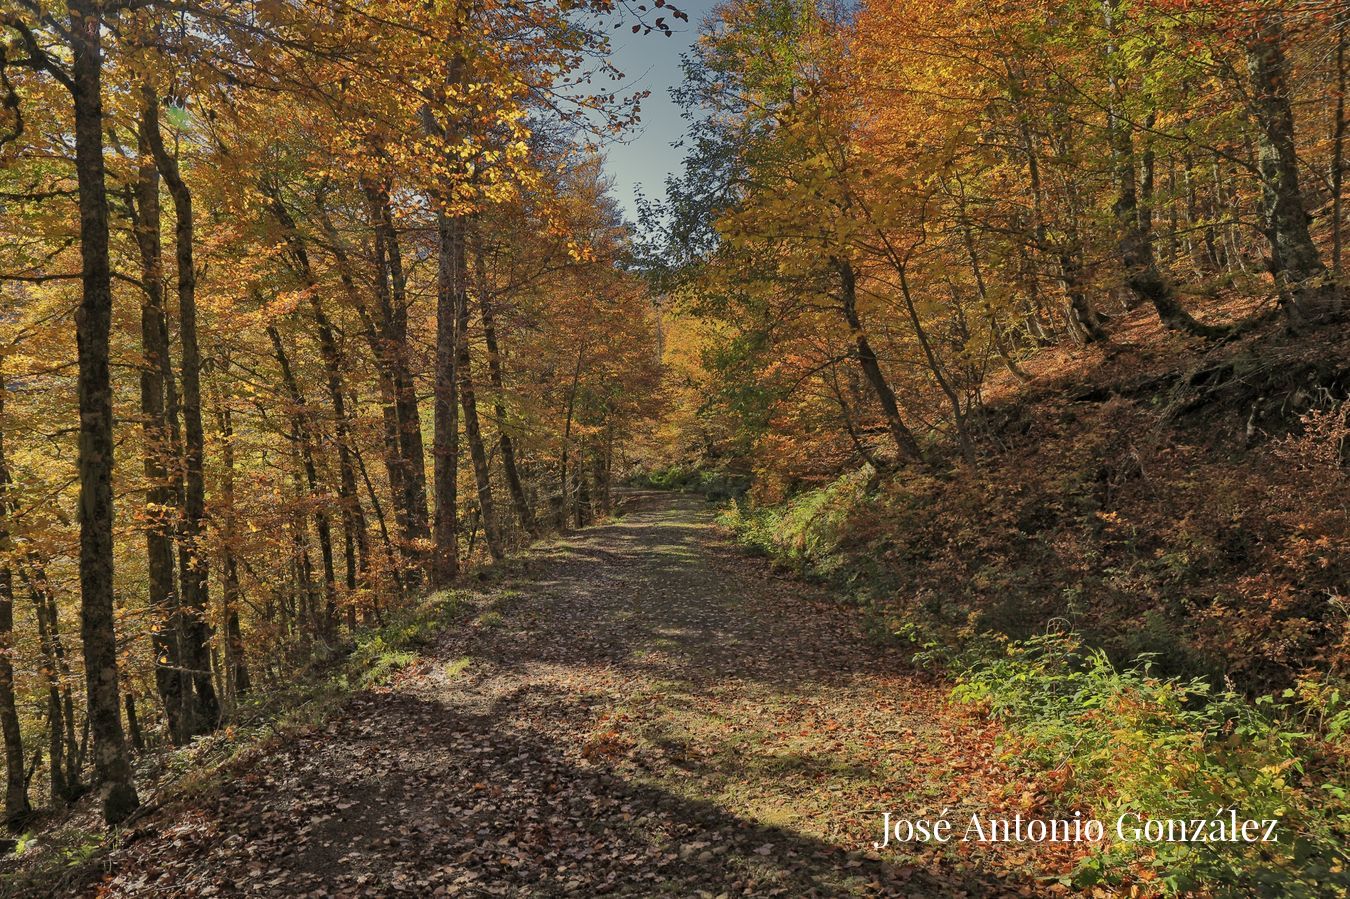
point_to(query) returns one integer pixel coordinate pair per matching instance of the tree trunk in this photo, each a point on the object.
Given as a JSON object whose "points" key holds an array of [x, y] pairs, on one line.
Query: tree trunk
{"points": [[1342, 25], [1173, 214], [48, 642], [450, 299], [160, 451], [73, 753], [134, 723], [935, 366], [864, 451], [1134, 223], [403, 449], [16, 785], [93, 325], [383, 524], [192, 550], [303, 616], [356, 544], [1086, 322], [567, 441], [355, 547], [353, 522], [237, 679], [306, 438], [582, 511], [1296, 262], [392, 303], [519, 500], [474, 434], [995, 329], [905, 444], [599, 486], [1085, 325], [605, 471]]}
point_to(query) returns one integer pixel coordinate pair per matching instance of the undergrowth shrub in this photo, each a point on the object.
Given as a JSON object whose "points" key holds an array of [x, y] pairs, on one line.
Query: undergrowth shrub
{"points": [[1114, 740], [806, 532], [1165, 571]]}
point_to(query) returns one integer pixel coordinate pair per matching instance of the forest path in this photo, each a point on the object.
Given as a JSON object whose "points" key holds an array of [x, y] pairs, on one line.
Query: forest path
{"points": [[635, 710]]}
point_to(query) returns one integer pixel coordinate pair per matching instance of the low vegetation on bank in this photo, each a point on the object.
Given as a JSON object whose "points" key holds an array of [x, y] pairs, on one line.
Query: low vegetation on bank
{"points": [[1145, 594]]}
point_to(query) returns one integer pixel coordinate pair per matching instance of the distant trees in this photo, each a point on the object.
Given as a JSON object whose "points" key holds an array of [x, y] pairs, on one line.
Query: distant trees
{"points": [[960, 185]]}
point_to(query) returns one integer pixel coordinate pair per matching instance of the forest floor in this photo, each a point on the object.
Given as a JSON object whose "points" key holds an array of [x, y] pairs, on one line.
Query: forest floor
{"points": [[636, 710]]}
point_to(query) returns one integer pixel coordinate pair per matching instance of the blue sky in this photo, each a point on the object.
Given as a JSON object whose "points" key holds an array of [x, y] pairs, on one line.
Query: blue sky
{"points": [[652, 62]]}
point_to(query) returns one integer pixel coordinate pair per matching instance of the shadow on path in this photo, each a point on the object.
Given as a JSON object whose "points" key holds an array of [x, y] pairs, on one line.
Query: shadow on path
{"points": [[636, 690]]}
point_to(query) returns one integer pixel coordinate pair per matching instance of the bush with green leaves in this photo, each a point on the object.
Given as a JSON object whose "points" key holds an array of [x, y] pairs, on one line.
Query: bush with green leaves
{"points": [[804, 533], [1110, 740]]}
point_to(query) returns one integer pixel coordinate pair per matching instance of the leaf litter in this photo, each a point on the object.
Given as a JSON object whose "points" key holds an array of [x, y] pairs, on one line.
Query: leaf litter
{"points": [[652, 713]]}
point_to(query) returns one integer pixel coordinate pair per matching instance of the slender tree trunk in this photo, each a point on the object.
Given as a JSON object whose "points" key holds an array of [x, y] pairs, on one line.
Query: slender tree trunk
{"points": [[1204, 263], [1085, 325], [600, 489], [1134, 221], [995, 330], [905, 444], [403, 452], [583, 512], [93, 326], [353, 522], [861, 448], [16, 785], [160, 452], [450, 289], [1295, 259], [305, 437], [392, 302], [237, 678], [519, 500], [1173, 215], [303, 616], [1216, 249], [194, 564], [1148, 177], [409, 413], [74, 752], [65, 783], [377, 507], [1084, 319], [134, 723], [1230, 201], [451, 298], [474, 435], [935, 365], [563, 510], [607, 469]]}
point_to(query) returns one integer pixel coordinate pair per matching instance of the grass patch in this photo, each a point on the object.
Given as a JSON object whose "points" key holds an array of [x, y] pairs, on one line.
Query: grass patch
{"points": [[491, 618], [383, 664], [506, 599]]}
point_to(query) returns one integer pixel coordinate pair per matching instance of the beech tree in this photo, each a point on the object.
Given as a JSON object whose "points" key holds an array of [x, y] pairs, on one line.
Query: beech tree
{"points": [[254, 218]]}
